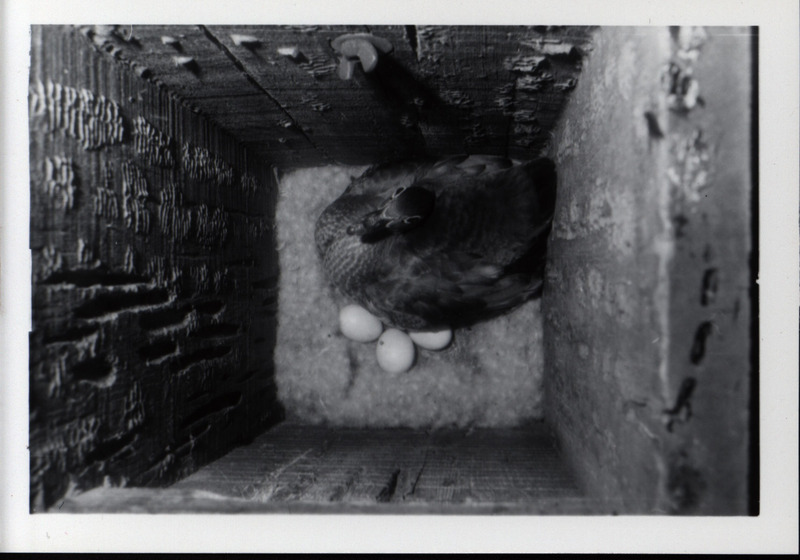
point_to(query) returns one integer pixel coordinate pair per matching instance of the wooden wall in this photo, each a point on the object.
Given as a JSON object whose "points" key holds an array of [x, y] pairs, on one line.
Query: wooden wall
{"points": [[154, 274], [648, 297], [442, 89]]}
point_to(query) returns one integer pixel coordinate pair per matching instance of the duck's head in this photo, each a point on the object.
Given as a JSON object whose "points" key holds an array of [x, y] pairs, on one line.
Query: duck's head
{"points": [[404, 210]]}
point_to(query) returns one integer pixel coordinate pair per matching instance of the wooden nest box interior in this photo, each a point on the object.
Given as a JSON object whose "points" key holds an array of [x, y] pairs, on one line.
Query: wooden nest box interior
{"points": [[185, 353]]}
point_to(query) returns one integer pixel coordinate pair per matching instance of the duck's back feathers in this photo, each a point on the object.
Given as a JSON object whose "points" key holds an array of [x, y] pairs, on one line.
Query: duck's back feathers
{"points": [[478, 253], [492, 214], [440, 294]]}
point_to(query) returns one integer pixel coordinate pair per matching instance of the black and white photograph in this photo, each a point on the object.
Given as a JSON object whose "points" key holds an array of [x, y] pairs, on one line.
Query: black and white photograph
{"points": [[483, 272]]}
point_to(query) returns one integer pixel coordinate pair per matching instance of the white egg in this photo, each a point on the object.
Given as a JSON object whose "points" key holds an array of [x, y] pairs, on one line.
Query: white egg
{"points": [[395, 351], [358, 324], [432, 340]]}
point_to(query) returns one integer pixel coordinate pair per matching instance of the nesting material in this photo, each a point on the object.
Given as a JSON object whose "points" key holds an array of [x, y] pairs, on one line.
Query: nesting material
{"points": [[489, 375]]}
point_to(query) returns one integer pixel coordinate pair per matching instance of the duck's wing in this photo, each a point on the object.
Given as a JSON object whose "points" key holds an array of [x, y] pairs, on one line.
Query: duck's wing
{"points": [[451, 290], [491, 214], [464, 261], [481, 252]]}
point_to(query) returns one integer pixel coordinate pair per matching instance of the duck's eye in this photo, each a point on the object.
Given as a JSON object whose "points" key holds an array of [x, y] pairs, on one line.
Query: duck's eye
{"points": [[411, 220]]}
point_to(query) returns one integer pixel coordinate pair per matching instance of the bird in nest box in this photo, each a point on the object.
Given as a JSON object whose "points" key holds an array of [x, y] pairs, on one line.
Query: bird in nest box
{"points": [[440, 243]]}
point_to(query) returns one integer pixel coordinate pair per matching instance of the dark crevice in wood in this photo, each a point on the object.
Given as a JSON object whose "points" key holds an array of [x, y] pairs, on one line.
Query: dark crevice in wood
{"points": [[247, 262], [71, 335], [268, 372], [419, 475], [150, 474], [111, 447], [199, 395], [270, 301], [387, 492], [93, 370], [202, 355], [195, 434], [83, 278], [698, 350], [209, 307], [239, 212], [340, 492], [411, 35], [165, 318], [105, 304], [158, 350], [228, 400], [710, 286], [219, 330]]}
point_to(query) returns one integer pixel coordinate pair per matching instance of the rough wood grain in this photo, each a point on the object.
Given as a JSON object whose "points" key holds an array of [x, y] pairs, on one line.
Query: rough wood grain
{"points": [[196, 69], [347, 121], [302, 468], [152, 247], [648, 347], [171, 500], [304, 463], [442, 89]]}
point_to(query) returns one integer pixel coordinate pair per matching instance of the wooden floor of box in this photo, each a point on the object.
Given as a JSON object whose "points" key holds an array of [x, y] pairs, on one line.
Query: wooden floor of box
{"points": [[303, 468]]}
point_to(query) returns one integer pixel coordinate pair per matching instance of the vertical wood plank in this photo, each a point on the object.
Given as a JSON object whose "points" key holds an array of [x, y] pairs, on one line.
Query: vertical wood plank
{"points": [[648, 347], [152, 245]]}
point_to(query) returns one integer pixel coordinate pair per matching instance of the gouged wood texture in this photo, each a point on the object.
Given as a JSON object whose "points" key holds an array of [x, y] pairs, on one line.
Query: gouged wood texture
{"points": [[154, 274], [442, 90], [302, 463], [302, 468]]}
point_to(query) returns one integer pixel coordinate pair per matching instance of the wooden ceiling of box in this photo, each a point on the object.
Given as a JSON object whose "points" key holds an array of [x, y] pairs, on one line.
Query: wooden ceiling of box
{"points": [[442, 90]]}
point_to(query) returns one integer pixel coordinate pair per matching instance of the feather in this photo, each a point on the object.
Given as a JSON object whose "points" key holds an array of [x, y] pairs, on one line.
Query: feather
{"points": [[478, 251]]}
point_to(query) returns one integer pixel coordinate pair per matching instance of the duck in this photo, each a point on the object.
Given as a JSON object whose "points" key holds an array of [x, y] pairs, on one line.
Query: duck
{"points": [[440, 243]]}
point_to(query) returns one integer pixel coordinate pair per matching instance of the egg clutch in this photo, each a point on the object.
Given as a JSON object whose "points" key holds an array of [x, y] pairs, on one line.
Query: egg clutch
{"points": [[395, 349]]}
